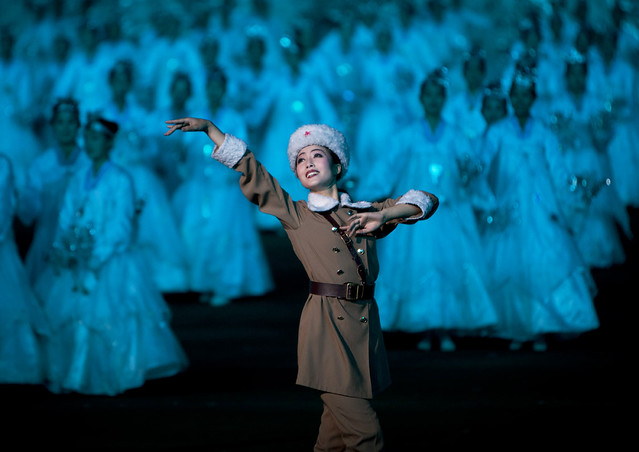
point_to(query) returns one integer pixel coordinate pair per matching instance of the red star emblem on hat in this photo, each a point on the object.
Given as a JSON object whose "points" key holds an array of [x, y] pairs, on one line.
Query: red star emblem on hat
{"points": [[307, 133]]}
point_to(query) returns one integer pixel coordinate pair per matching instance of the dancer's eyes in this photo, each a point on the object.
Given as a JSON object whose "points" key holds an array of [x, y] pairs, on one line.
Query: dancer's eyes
{"points": [[316, 154]]}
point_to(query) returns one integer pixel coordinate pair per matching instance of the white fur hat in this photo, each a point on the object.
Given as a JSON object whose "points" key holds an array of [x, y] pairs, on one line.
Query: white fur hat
{"points": [[320, 135]]}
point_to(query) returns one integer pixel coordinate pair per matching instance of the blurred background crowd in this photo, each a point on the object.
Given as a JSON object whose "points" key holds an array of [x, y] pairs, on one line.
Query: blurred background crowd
{"points": [[519, 115]]}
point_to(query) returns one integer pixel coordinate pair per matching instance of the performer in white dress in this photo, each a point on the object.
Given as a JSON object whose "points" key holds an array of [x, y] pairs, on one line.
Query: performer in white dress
{"points": [[218, 226], [135, 150], [613, 79], [584, 129], [46, 182], [540, 283], [110, 327], [22, 323], [435, 286]]}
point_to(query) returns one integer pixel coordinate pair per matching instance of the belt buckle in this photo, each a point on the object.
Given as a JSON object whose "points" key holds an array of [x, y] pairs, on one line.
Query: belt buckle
{"points": [[354, 291]]}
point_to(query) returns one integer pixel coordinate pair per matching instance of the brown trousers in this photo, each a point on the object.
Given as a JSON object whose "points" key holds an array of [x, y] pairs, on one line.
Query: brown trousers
{"points": [[348, 424]]}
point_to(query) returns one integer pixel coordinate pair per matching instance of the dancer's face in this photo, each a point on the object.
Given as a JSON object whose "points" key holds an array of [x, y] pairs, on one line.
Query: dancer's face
{"points": [[65, 127], [493, 109], [433, 97], [522, 99], [315, 168], [576, 78], [97, 144]]}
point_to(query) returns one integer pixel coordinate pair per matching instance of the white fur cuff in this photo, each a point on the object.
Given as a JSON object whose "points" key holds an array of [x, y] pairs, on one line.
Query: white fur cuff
{"points": [[230, 152], [419, 199]]}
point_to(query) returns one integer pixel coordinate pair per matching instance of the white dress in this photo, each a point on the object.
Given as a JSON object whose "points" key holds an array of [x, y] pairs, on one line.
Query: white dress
{"points": [[391, 81], [253, 92], [85, 78], [22, 323], [616, 84], [540, 282], [40, 201], [217, 224], [110, 326], [159, 64], [594, 210], [463, 109], [19, 142], [438, 281], [135, 151], [412, 45], [341, 77]]}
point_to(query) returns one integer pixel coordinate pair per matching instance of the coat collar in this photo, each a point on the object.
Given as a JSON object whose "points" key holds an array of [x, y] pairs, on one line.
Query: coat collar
{"points": [[321, 203]]}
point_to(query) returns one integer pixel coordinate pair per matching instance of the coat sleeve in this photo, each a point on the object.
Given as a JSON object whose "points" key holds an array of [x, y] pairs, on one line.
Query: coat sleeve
{"points": [[427, 203], [257, 184]]}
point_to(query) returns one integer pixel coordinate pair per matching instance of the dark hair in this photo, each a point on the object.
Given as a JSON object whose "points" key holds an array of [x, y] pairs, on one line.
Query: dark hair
{"points": [[125, 64], [524, 82], [67, 103], [475, 54], [494, 91], [179, 75], [530, 24], [573, 63], [217, 74], [588, 32], [437, 77], [608, 32], [336, 161], [256, 39]]}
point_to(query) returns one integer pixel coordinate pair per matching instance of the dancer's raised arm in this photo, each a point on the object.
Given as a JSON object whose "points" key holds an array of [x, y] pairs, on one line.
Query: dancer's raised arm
{"points": [[196, 125]]}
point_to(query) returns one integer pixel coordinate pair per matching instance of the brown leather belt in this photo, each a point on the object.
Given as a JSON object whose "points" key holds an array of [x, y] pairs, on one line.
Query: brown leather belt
{"points": [[348, 291]]}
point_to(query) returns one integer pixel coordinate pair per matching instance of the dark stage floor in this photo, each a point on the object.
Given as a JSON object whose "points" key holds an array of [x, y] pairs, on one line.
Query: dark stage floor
{"points": [[239, 392]]}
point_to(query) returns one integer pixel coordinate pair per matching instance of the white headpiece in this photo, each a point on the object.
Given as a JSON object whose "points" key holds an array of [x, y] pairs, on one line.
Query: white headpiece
{"points": [[319, 135]]}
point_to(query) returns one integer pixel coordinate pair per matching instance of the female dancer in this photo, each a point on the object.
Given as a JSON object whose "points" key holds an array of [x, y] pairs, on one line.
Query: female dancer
{"points": [[341, 349]]}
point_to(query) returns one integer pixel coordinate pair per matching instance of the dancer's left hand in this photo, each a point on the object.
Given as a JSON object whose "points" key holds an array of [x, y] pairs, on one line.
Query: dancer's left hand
{"points": [[364, 223]]}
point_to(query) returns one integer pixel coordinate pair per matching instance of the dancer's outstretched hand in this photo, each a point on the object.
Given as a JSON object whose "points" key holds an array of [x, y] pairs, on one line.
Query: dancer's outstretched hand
{"points": [[187, 125]]}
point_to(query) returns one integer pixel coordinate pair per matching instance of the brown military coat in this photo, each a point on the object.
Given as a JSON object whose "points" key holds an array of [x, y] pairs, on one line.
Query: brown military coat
{"points": [[340, 347]]}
